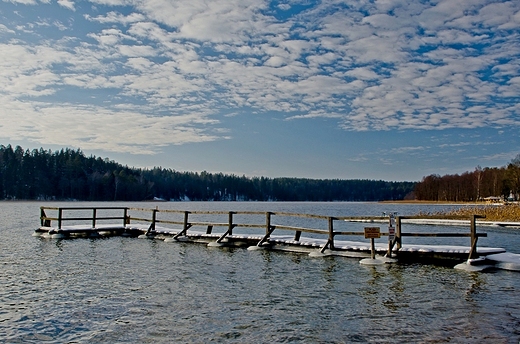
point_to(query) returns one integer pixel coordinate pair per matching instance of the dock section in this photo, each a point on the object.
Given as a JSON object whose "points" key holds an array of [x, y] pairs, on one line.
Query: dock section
{"points": [[320, 236]]}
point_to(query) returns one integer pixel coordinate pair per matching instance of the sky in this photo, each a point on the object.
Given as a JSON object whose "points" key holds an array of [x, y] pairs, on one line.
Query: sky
{"points": [[390, 90]]}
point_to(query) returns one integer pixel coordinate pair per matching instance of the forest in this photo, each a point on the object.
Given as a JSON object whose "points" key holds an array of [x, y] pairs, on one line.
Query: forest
{"points": [[501, 182], [68, 174]]}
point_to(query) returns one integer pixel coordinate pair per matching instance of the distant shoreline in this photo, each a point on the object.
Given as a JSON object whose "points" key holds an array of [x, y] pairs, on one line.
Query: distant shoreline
{"points": [[387, 202], [434, 202]]}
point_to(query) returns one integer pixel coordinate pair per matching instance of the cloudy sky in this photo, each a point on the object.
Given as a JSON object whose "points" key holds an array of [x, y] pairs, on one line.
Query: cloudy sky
{"points": [[380, 89]]}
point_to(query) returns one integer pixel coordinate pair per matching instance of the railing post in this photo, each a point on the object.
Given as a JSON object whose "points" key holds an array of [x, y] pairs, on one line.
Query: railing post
{"points": [[126, 219], [473, 227], [94, 217], [229, 230], [330, 242], [398, 232], [185, 225], [152, 225], [391, 234], [268, 229], [60, 214], [474, 237], [268, 223], [230, 223], [331, 232], [44, 222]]}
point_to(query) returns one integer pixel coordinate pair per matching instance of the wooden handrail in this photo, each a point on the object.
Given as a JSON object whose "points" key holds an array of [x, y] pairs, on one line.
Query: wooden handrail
{"points": [[268, 225]]}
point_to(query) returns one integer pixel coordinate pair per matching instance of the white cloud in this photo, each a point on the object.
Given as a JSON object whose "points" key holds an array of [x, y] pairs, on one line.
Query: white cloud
{"points": [[206, 21], [371, 66], [316, 114], [5, 29], [116, 131], [23, 2], [275, 61], [136, 50], [113, 2], [26, 71], [110, 37], [68, 4], [362, 73], [115, 17]]}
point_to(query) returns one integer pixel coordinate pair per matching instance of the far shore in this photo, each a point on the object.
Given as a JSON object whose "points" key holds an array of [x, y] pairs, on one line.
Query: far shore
{"points": [[435, 202]]}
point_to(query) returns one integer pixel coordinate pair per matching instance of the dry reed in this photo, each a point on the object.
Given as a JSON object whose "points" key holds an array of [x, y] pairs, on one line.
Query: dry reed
{"points": [[506, 213]]}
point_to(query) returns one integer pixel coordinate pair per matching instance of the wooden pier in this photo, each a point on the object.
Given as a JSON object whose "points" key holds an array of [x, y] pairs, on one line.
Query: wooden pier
{"points": [[325, 235]]}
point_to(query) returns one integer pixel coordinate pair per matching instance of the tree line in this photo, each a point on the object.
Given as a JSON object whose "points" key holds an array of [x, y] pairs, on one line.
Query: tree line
{"points": [[502, 182], [68, 174]]}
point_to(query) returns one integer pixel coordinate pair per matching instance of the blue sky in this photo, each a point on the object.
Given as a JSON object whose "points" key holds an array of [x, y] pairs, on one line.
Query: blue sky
{"points": [[390, 89]]}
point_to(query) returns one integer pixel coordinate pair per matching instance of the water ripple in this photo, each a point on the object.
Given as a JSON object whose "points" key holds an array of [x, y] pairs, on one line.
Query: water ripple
{"points": [[128, 290]]}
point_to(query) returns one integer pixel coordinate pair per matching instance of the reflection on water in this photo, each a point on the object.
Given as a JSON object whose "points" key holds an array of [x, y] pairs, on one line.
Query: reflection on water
{"points": [[130, 290]]}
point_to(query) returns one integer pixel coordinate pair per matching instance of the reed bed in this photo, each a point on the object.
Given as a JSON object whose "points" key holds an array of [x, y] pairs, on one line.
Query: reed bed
{"points": [[506, 212]]}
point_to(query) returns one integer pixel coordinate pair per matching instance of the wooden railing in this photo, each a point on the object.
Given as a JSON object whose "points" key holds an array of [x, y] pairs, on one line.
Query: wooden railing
{"points": [[269, 227], [46, 221], [472, 234]]}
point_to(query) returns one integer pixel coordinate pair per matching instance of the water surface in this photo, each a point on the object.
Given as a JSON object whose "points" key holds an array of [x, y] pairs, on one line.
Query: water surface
{"points": [[130, 290]]}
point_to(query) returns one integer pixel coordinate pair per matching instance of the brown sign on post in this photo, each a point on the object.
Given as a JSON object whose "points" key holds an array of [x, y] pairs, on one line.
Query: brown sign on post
{"points": [[372, 233]]}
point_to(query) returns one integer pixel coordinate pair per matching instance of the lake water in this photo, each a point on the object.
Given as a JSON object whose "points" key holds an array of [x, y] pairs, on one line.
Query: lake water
{"points": [[128, 290]]}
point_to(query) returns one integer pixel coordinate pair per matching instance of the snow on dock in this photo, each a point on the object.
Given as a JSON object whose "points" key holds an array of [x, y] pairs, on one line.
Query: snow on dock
{"points": [[316, 242]]}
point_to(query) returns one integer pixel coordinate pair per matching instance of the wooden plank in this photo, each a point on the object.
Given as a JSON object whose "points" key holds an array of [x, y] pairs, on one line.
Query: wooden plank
{"points": [[249, 225], [51, 218], [445, 235], [352, 233], [302, 229], [169, 222], [91, 208], [91, 218], [204, 224], [362, 218], [50, 208], [140, 219], [309, 216], [158, 210], [200, 212]]}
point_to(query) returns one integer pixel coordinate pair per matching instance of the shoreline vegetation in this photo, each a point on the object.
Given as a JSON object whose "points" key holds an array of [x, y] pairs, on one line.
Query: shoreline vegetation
{"points": [[506, 212], [69, 174], [509, 212], [488, 183]]}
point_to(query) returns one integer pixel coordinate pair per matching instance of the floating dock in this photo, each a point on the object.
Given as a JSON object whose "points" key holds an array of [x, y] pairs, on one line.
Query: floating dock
{"points": [[325, 235]]}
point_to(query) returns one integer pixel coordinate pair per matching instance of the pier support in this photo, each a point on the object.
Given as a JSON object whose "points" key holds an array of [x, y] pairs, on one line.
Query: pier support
{"points": [[220, 241], [186, 225], [268, 230]]}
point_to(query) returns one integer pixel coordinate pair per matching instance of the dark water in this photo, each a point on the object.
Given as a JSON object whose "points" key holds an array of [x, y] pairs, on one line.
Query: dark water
{"points": [[125, 290]]}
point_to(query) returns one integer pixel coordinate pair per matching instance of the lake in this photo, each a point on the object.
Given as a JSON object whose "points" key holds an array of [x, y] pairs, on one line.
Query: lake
{"points": [[128, 290]]}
